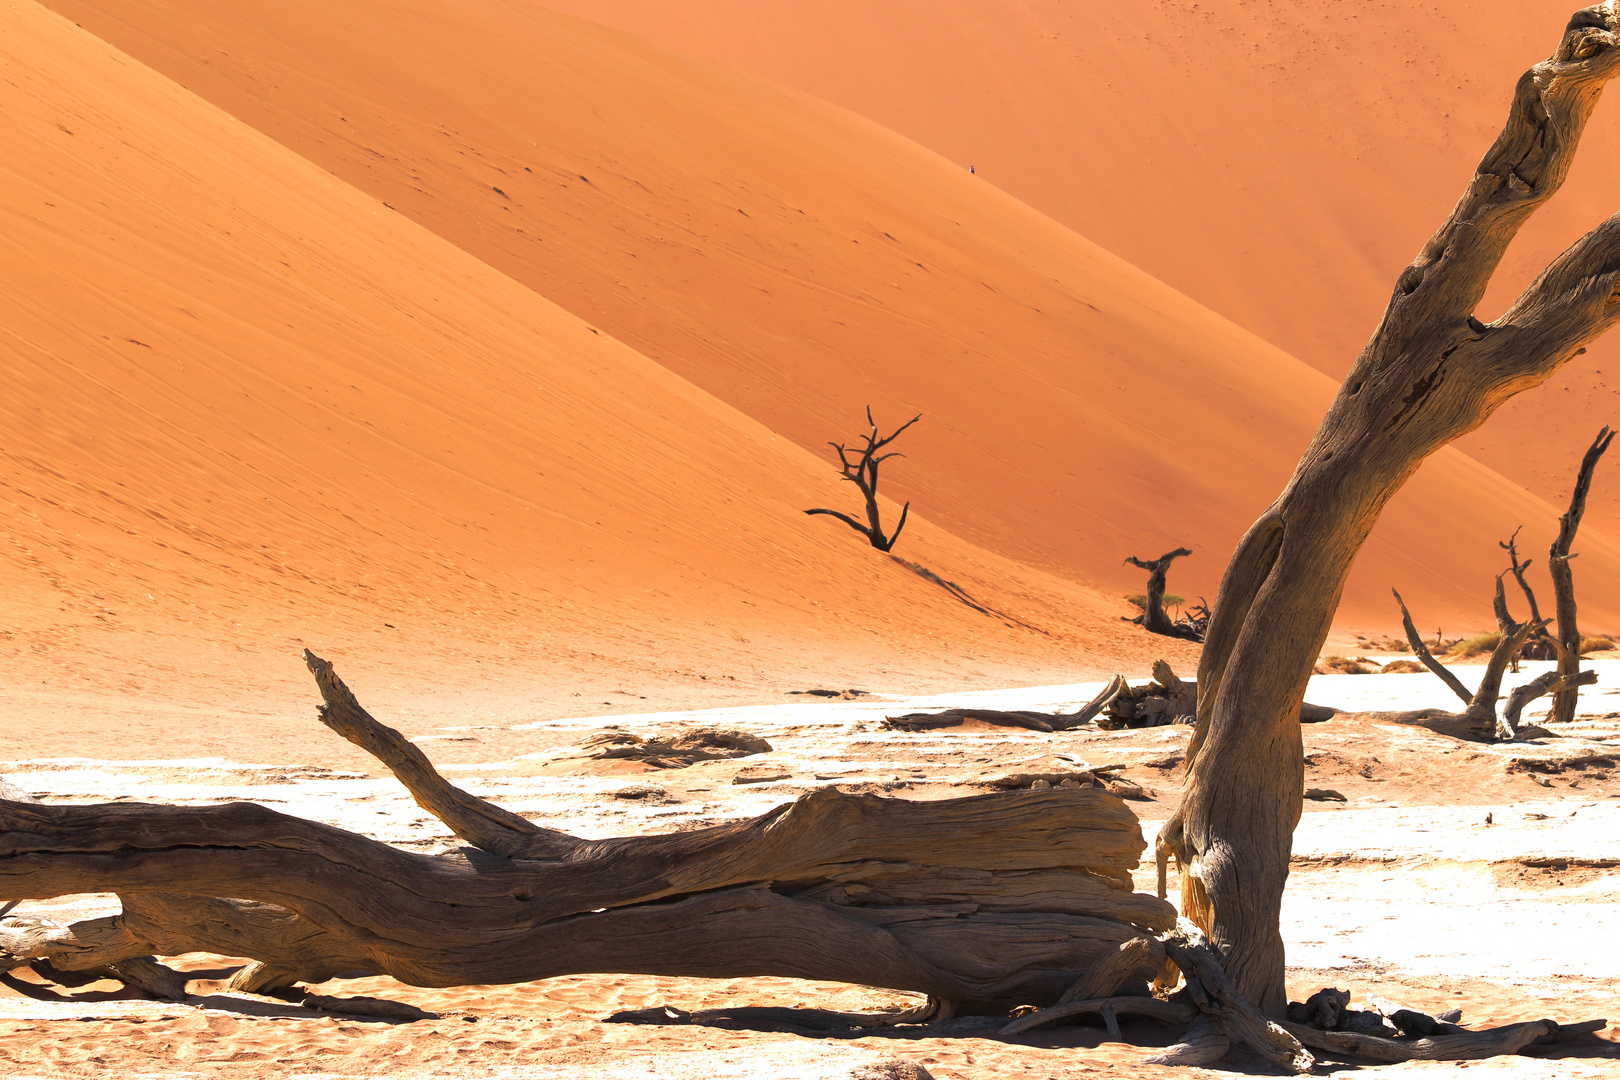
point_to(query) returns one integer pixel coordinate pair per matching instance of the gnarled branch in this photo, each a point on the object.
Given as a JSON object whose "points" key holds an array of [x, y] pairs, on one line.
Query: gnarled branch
{"points": [[862, 471]]}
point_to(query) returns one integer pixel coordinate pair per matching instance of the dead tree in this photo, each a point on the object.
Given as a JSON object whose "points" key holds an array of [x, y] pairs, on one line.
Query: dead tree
{"points": [[1563, 579], [862, 471], [1153, 617], [1538, 646], [984, 902], [1431, 372], [1479, 716]]}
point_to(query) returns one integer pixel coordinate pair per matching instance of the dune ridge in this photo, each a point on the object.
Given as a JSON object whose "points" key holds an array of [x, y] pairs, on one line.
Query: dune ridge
{"points": [[253, 409], [1280, 163], [800, 262]]}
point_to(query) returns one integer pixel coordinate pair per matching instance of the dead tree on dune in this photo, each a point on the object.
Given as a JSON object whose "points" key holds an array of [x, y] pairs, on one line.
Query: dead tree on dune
{"points": [[1154, 618], [862, 471], [1563, 579], [1431, 372]]}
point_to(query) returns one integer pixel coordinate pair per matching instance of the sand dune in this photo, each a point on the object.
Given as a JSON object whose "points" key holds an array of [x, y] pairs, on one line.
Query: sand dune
{"points": [[251, 408], [1280, 163], [800, 262]]}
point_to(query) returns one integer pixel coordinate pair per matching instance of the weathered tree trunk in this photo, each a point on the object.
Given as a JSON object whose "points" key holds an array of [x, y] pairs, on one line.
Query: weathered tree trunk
{"points": [[1431, 372], [1154, 618], [1563, 579], [987, 902]]}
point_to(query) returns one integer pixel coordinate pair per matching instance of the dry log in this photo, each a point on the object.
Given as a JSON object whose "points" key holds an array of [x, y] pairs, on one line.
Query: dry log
{"points": [[1034, 721], [988, 902], [678, 749], [1431, 372], [1464, 1046], [1479, 718]]}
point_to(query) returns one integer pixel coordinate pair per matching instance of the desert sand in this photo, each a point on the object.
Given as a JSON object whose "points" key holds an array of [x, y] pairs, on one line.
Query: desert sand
{"points": [[1279, 163], [491, 352], [1404, 890], [800, 262]]}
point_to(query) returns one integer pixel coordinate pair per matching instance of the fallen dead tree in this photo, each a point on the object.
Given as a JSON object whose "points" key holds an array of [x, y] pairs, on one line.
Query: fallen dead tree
{"points": [[1478, 720], [982, 903], [1165, 699], [1023, 718]]}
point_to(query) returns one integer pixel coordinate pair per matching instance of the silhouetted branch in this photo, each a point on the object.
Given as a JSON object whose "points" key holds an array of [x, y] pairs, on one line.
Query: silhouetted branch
{"points": [[862, 471]]}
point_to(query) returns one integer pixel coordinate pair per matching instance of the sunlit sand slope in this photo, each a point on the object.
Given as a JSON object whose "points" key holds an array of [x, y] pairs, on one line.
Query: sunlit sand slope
{"points": [[801, 262], [248, 407], [1278, 162]]}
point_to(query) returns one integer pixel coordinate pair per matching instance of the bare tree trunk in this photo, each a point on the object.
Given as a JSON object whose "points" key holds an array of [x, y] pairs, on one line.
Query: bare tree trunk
{"points": [[1431, 372], [1154, 619], [989, 901], [1563, 579]]}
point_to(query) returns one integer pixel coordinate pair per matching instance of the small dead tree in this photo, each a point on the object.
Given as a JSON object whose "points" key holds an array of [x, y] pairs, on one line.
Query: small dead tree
{"points": [[860, 467], [1154, 619], [1538, 646], [1431, 372], [1563, 579], [1479, 718]]}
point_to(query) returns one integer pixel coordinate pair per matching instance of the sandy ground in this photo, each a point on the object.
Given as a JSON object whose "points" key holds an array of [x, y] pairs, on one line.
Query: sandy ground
{"points": [[1450, 877]]}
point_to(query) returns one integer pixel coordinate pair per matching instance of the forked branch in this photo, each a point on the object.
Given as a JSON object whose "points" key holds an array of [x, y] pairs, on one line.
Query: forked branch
{"points": [[860, 467]]}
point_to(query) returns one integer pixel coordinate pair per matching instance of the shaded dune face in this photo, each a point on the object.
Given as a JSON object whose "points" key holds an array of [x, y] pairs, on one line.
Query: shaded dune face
{"points": [[1280, 163], [250, 407], [799, 262]]}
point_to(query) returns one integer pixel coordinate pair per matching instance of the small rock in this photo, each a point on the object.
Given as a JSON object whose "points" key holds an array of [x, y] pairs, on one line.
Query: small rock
{"points": [[640, 791], [1040, 785], [1324, 795]]}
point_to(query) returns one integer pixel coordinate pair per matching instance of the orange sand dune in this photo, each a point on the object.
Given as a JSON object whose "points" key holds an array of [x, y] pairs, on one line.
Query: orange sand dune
{"points": [[250, 408], [1278, 162], [800, 262]]}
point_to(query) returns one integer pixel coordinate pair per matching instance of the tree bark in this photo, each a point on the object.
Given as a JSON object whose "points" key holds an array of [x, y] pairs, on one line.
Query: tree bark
{"points": [[1431, 372], [988, 901], [1563, 579]]}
